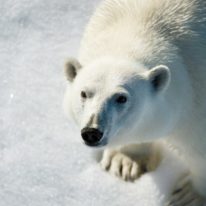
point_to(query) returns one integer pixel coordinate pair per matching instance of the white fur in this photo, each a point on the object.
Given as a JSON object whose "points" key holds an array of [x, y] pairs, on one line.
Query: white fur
{"points": [[124, 40]]}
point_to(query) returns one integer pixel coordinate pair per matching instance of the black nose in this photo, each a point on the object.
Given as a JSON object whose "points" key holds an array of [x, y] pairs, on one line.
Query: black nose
{"points": [[91, 136]]}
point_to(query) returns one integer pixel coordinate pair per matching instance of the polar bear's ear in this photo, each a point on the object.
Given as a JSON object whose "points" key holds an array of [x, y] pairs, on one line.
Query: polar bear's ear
{"points": [[72, 66], [159, 77]]}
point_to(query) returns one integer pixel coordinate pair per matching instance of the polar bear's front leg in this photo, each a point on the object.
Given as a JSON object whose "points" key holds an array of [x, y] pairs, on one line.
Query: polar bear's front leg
{"points": [[120, 165], [132, 161], [184, 194]]}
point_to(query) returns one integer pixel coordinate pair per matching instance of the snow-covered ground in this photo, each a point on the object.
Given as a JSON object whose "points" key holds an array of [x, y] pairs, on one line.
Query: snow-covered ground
{"points": [[42, 162]]}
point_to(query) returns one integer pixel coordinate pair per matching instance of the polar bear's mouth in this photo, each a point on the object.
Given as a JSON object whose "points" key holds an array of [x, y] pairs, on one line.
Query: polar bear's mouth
{"points": [[103, 142], [100, 144]]}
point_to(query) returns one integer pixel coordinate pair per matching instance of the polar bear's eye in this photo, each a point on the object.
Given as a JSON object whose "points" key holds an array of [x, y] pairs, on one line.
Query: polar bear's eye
{"points": [[83, 94], [121, 99]]}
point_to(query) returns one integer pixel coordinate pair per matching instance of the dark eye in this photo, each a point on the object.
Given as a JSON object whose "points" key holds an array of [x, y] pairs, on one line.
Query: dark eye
{"points": [[83, 94], [121, 99]]}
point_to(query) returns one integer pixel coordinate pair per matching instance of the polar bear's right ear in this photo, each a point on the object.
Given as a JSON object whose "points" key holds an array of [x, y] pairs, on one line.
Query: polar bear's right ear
{"points": [[71, 68], [159, 78]]}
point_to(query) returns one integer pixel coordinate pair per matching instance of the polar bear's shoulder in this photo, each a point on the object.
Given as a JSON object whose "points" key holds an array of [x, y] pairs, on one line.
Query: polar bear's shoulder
{"points": [[172, 18]]}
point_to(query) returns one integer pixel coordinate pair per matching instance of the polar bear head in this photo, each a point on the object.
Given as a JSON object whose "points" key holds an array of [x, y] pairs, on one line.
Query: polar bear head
{"points": [[114, 101]]}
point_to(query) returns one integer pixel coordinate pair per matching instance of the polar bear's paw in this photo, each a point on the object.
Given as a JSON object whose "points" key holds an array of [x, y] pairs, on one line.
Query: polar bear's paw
{"points": [[185, 195], [120, 165]]}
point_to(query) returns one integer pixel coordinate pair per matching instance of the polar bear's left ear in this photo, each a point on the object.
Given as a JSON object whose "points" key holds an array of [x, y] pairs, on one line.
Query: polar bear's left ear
{"points": [[159, 78], [72, 67]]}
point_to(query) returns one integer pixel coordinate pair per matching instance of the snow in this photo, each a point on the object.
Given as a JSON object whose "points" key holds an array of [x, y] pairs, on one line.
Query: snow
{"points": [[42, 161]]}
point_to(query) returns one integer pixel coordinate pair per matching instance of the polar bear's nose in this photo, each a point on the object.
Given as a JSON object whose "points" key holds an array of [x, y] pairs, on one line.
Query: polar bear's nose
{"points": [[91, 136]]}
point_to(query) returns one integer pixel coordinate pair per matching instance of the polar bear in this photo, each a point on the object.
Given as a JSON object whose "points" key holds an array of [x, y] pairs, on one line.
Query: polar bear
{"points": [[139, 85]]}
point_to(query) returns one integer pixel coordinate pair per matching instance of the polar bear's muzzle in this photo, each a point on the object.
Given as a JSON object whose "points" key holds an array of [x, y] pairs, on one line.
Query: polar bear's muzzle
{"points": [[92, 136]]}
